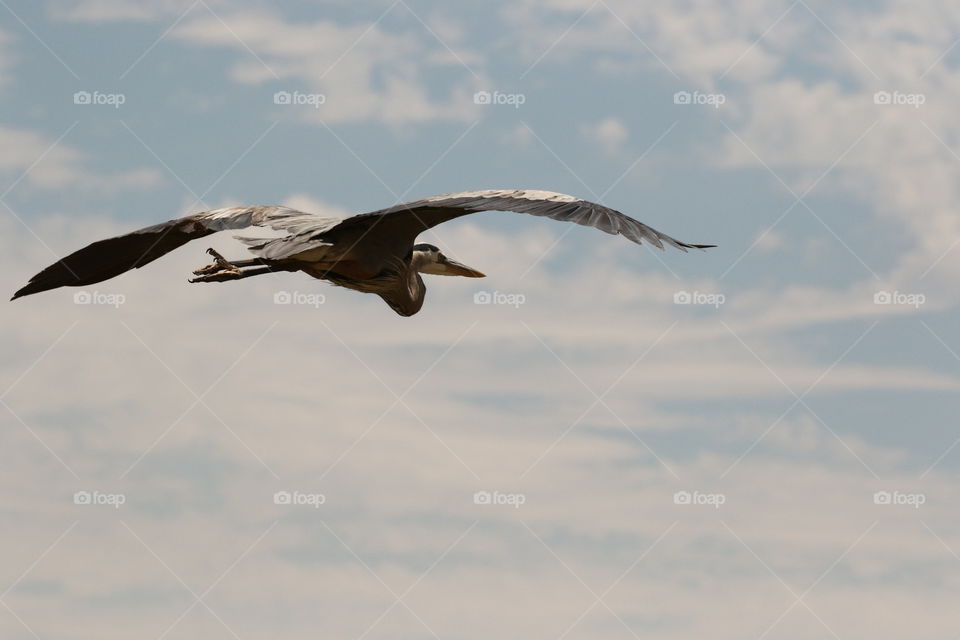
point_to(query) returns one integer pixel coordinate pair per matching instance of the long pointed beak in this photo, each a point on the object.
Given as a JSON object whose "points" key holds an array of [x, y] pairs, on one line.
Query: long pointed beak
{"points": [[456, 269]]}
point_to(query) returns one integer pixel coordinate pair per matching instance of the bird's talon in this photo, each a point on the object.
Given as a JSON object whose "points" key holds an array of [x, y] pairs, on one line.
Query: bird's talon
{"points": [[210, 268], [219, 265], [216, 256], [218, 276]]}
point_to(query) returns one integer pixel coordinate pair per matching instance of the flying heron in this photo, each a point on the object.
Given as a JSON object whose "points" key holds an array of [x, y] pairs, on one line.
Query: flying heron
{"points": [[372, 252]]}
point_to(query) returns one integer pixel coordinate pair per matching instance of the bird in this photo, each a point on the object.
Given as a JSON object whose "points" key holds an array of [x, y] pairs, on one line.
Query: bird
{"points": [[372, 252]]}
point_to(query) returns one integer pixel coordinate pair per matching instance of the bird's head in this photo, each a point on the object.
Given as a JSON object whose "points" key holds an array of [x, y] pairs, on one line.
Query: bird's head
{"points": [[429, 259]]}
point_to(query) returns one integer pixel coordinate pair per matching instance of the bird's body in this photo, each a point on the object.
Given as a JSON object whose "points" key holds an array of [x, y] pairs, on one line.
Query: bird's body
{"points": [[399, 283], [371, 252]]}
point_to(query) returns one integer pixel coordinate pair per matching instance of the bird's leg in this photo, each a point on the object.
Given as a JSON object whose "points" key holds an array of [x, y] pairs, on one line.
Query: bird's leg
{"points": [[219, 264], [233, 274]]}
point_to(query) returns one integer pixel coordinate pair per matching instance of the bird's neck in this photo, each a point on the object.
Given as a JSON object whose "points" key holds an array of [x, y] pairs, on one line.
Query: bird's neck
{"points": [[407, 293], [416, 290]]}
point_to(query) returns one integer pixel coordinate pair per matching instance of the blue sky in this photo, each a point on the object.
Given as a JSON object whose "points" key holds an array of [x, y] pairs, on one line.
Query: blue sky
{"points": [[817, 366]]}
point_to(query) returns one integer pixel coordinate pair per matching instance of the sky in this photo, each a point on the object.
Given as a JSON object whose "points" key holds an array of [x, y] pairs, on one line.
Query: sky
{"points": [[598, 440]]}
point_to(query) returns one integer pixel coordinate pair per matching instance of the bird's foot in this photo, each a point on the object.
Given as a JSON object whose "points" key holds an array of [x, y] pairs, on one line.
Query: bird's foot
{"points": [[220, 264], [210, 268], [218, 276]]}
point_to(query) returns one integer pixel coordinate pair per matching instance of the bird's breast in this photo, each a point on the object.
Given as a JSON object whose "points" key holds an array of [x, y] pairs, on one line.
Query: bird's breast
{"points": [[349, 269]]}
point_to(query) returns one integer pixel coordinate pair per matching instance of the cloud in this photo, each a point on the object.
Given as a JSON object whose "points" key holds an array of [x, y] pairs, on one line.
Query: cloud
{"points": [[218, 388], [308, 394], [363, 72], [560, 309], [47, 163], [517, 136], [897, 159], [308, 203], [105, 11], [697, 42], [610, 134], [769, 241]]}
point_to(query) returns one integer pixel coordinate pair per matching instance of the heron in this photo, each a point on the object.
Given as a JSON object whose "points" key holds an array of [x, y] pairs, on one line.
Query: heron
{"points": [[374, 252]]}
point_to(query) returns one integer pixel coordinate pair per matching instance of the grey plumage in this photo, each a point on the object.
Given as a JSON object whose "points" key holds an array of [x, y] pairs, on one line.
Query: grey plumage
{"points": [[371, 252]]}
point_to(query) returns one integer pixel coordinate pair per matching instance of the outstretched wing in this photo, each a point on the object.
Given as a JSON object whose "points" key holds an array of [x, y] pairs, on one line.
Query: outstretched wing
{"points": [[398, 226], [111, 257]]}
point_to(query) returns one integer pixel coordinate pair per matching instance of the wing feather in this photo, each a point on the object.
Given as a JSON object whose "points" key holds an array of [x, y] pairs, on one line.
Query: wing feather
{"points": [[107, 258], [402, 223]]}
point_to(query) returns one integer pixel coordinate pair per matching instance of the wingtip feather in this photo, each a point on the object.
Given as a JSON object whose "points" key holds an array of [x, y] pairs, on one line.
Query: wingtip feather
{"points": [[26, 291]]}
